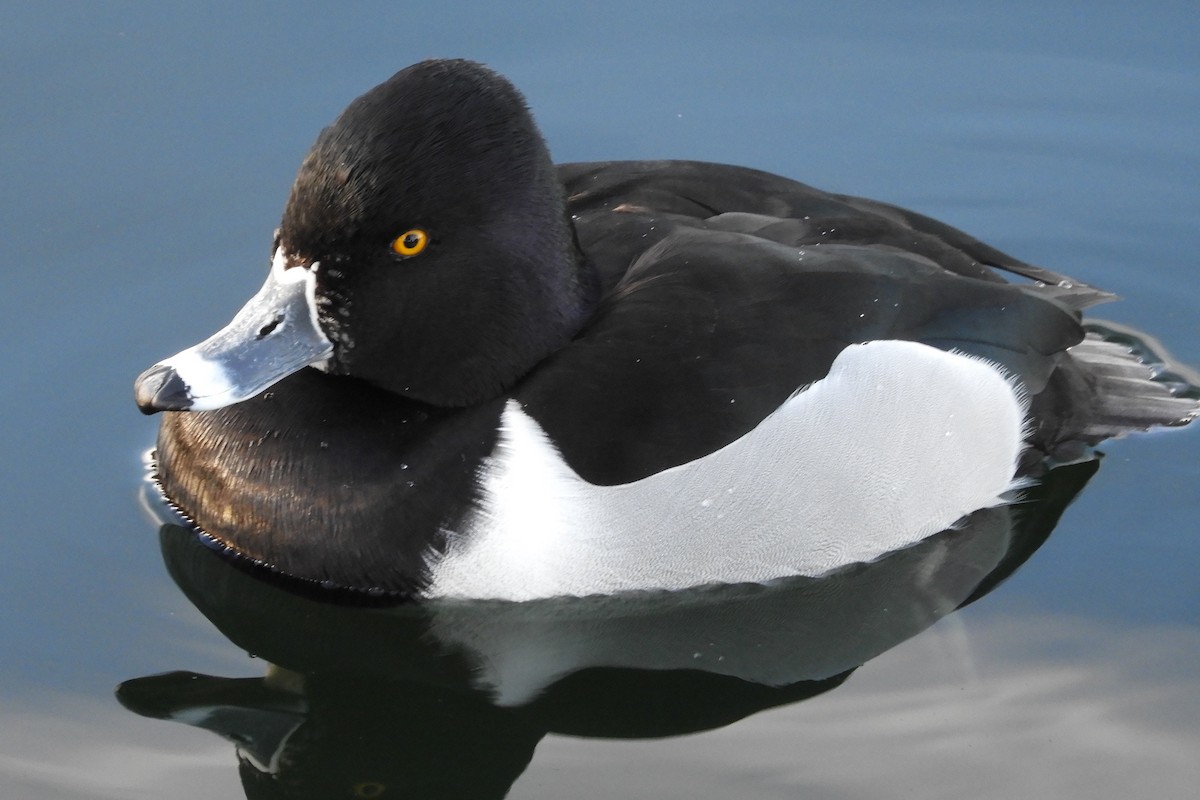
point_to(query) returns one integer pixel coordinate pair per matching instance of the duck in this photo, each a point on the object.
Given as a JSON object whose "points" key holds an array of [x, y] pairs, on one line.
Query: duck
{"points": [[473, 373]]}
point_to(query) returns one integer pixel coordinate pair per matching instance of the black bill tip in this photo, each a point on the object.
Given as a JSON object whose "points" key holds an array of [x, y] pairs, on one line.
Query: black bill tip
{"points": [[161, 389]]}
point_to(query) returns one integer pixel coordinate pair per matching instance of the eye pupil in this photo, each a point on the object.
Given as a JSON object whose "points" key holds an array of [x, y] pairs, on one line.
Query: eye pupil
{"points": [[411, 240]]}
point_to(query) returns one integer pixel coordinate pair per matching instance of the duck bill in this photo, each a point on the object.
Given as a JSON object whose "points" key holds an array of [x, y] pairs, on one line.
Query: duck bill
{"points": [[274, 335]]}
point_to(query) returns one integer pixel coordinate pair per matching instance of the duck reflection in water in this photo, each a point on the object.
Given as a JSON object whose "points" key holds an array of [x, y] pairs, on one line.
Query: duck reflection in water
{"points": [[450, 698]]}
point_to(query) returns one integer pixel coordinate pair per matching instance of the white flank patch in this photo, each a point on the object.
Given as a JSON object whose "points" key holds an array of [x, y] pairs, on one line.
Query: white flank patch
{"points": [[898, 442]]}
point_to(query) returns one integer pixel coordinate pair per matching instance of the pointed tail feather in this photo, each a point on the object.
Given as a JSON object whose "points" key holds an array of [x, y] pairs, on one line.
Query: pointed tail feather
{"points": [[1138, 384]]}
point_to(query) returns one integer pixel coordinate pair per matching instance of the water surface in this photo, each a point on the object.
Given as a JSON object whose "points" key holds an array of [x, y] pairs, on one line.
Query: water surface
{"points": [[148, 151]]}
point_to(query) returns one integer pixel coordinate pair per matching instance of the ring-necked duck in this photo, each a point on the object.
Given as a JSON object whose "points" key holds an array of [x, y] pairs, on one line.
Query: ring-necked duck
{"points": [[530, 380]]}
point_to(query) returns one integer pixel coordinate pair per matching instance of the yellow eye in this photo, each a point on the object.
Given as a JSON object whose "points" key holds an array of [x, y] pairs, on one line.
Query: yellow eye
{"points": [[410, 243]]}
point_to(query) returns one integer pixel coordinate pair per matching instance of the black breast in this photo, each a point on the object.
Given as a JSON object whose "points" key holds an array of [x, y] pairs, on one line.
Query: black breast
{"points": [[328, 479]]}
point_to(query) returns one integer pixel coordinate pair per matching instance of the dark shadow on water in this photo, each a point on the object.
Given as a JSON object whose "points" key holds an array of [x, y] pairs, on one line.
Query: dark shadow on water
{"points": [[450, 699]]}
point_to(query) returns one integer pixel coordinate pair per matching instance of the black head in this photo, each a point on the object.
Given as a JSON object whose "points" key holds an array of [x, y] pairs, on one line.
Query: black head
{"points": [[446, 266], [425, 248]]}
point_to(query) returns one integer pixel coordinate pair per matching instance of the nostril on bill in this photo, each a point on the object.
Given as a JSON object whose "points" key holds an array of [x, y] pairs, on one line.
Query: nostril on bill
{"points": [[265, 330]]}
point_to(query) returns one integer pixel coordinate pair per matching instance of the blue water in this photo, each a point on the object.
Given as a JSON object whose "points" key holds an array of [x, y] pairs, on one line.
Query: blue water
{"points": [[147, 151]]}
